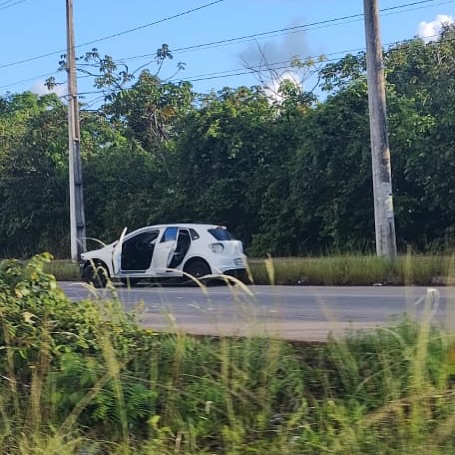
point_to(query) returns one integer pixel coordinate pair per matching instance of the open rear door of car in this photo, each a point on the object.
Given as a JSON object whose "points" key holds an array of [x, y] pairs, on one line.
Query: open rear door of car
{"points": [[164, 251]]}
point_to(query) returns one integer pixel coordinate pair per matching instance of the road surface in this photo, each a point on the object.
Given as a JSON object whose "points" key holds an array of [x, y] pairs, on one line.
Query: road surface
{"points": [[290, 312]]}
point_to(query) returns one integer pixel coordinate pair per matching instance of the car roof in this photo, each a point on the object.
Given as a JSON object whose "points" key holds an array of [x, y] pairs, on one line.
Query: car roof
{"points": [[182, 225]]}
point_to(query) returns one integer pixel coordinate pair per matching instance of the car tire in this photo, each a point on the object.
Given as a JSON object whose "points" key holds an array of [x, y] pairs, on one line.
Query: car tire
{"points": [[197, 269], [242, 275], [96, 275], [130, 282]]}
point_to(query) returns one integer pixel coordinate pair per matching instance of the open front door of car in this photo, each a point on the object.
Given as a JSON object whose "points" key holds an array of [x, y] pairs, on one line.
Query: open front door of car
{"points": [[117, 253]]}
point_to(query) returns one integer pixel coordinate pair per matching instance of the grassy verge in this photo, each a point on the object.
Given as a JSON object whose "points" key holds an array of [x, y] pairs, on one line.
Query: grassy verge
{"points": [[63, 270], [86, 378], [336, 270], [354, 270]]}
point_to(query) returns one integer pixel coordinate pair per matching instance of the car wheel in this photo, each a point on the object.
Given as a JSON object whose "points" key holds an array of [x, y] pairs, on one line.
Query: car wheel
{"points": [[96, 275], [197, 269], [130, 282], [242, 275]]}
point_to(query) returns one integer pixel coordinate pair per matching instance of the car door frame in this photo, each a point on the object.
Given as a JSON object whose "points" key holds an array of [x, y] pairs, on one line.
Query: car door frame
{"points": [[164, 252], [117, 254]]}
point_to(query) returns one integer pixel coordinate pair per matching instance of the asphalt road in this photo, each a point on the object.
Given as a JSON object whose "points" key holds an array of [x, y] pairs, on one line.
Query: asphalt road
{"points": [[295, 313]]}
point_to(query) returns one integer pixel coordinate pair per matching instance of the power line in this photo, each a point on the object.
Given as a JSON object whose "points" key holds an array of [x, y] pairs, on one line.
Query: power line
{"points": [[275, 66], [284, 65], [5, 3], [38, 77], [175, 16], [358, 16], [10, 4], [287, 30], [165, 19], [28, 79], [245, 38]]}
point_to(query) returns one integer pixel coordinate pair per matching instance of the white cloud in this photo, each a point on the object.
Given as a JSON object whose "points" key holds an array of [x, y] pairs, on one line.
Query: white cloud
{"points": [[271, 86], [39, 87], [429, 31]]}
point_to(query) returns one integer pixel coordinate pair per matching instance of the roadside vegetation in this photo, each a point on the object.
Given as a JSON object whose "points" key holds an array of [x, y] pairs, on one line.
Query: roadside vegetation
{"points": [[354, 270], [86, 378]]}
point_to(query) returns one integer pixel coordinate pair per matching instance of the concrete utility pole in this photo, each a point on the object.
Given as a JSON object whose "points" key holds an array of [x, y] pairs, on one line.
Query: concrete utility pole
{"points": [[380, 152], [77, 217]]}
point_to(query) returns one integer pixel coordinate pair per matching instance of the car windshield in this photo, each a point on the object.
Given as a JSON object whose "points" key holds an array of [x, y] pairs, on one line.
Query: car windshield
{"points": [[221, 233]]}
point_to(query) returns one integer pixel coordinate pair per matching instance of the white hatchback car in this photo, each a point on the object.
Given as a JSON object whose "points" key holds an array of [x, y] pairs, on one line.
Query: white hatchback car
{"points": [[166, 251]]}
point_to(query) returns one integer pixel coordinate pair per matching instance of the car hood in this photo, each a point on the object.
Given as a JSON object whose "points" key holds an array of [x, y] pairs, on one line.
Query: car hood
{"points": [[99, 252]]}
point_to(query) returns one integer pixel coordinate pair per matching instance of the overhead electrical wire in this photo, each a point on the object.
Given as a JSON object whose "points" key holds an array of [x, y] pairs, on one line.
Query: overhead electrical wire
{"points": [[252, 70], [29, 79], [358, 16], [252, 37], [5, 3], [275, 66], [124, 32], [228, 73], [290, 30], [175, 16], [284, 65], [10, 4]]}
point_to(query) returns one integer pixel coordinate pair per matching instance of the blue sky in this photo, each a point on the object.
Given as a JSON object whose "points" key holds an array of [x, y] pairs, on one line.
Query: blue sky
{"points": [[30, 28]]}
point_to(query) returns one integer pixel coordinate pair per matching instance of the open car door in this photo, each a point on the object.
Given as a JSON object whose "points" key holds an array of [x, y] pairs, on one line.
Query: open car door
{"points": [[117, 253], [164, 250]]}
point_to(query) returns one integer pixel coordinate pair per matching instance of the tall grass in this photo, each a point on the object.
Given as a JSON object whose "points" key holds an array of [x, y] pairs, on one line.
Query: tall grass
{"points": [[354, 270], [63, 270], [330, 270], [86, 378]]}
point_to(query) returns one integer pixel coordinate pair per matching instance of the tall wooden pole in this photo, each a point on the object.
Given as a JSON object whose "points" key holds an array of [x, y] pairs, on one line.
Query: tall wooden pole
{"points": [[380, 152], [77, 217]]}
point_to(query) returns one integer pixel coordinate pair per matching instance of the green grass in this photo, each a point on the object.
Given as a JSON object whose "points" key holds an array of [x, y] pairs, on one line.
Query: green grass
{"points": [[334, 270], [353, 270], [86, 378], [64, 270]]}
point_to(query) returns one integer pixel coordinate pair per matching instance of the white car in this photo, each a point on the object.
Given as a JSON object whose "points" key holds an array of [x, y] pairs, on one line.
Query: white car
{"points": [[166, 251]]}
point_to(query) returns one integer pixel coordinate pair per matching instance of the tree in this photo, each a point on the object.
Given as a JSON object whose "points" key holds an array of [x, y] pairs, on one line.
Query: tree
{"points": [[423, 74], [149, 109], [122, 189], [33, 175], [220, 149], [331, 182]]}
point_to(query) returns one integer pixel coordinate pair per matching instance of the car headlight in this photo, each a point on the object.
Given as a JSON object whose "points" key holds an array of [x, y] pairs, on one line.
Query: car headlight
{"points": [[216, 247]]}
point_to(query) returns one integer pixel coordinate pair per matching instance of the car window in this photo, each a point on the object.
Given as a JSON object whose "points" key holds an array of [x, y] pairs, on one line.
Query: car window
{"points": [[147, 238], [221, 233], [194, 234], [169, 234], [139, 242]]}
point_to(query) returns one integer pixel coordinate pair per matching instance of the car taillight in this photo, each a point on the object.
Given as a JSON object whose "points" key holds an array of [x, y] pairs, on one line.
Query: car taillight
{"points": [[216, 247]]}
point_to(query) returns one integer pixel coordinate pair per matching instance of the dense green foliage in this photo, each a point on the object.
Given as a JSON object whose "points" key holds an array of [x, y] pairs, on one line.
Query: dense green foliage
{"points": [[288, 177], [85, 378]]}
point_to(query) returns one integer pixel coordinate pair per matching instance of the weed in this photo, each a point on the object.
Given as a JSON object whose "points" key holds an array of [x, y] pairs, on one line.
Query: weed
{"points": [[86, 378]]}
